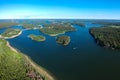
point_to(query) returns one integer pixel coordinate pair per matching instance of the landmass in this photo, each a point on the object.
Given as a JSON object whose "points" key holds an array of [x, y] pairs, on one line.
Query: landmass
{"points": [[107, 36], [38, 38], [29, 26], [63, 40], [56, 29], [78, 23], [7, 24], [107, 23], [17, 66], [10, 33]]}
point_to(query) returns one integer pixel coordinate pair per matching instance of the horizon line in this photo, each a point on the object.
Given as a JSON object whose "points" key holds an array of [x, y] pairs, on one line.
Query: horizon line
{"points": [[61, 18]]}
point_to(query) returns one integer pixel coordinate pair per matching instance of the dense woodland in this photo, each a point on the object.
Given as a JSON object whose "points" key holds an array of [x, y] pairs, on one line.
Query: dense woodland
{"points": [[56, 28], [38, 38], [7, 24], [63, 40], [78, 23], [28, 26], [106, 23], [107, 36]]}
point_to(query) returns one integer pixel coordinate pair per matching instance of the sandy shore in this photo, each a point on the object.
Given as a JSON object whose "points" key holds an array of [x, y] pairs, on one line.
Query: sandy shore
{"points": [[56, 34], [38, 68], [1, 36], [12, 36], [13, 49]]}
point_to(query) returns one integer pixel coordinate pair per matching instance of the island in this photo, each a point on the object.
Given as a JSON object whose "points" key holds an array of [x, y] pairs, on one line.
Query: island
{"points": [[10, 33], [63, 40], [16, 66], [38, 38], [107, 36], [56, 29]]}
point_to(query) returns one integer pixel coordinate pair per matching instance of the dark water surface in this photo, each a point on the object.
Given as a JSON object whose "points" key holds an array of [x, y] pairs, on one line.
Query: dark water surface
{"points": [[82, 59]]}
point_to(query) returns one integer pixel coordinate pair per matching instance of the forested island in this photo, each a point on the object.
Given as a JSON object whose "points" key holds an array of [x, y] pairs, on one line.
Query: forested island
{"points": [[107, 36], [55, 29], [11, 33], [17, 66], [38, 38], [63, 40]]}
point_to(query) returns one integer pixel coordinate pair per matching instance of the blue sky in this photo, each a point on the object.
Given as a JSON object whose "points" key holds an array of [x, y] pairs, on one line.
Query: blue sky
{"points": [[80, 9]]}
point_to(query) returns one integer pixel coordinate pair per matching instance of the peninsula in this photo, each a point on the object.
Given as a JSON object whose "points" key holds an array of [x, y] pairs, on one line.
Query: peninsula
{"points": [[10, 33], [107, 36], [56, 29], [28, 26]]}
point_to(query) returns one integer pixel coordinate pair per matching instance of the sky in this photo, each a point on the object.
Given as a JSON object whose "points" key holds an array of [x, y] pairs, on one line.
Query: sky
{"points": [[60, 9]]}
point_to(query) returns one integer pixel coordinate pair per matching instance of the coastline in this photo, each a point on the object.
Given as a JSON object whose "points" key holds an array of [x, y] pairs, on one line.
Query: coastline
{"points": [[38, 68], [58, 33], [11, 36]]}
